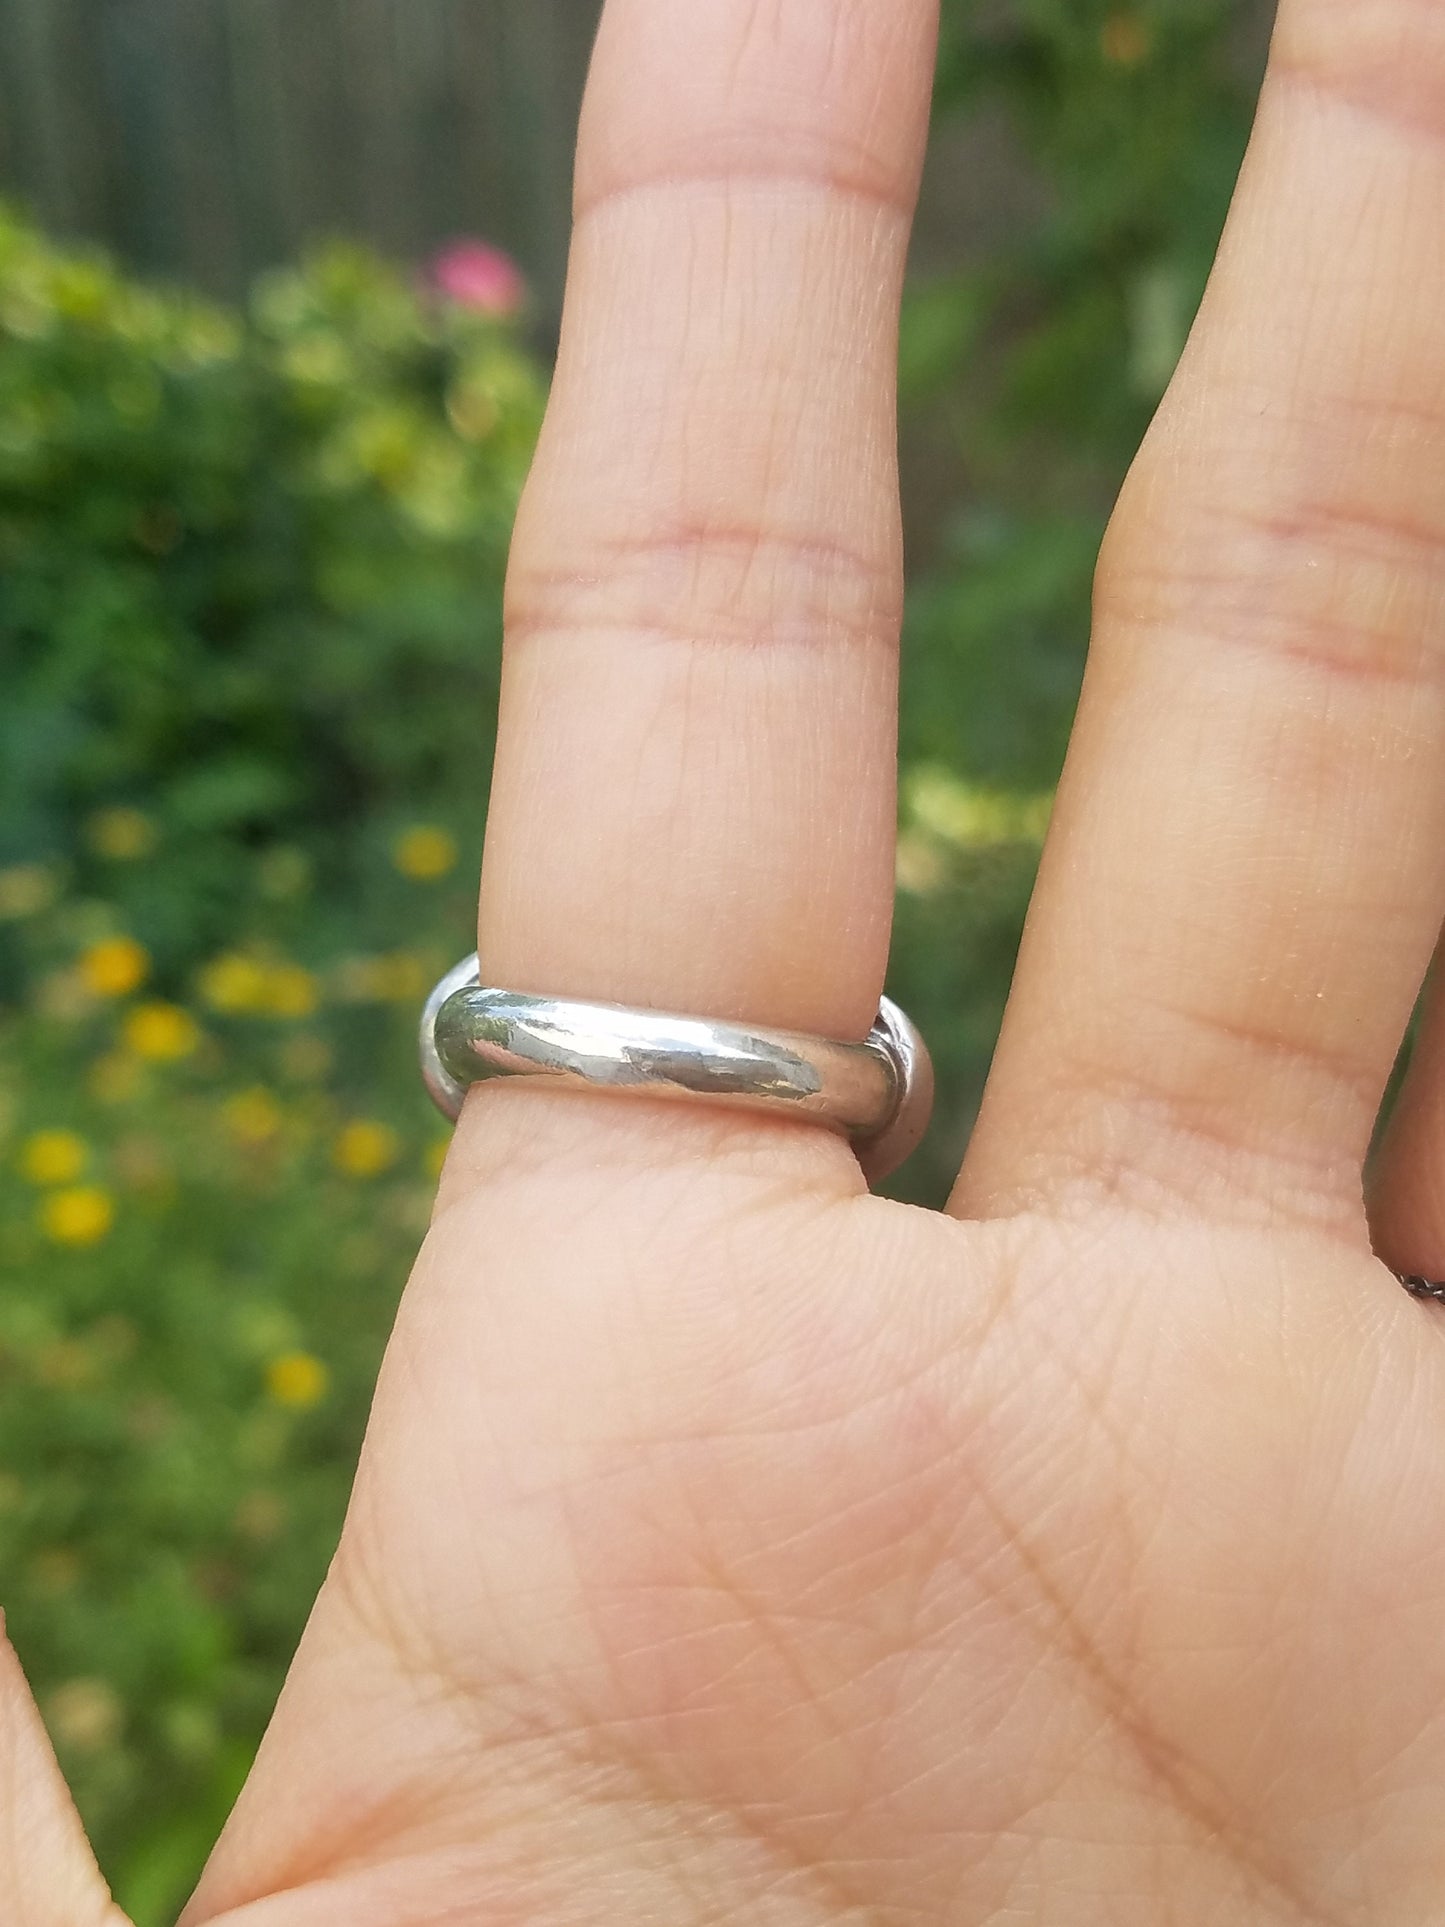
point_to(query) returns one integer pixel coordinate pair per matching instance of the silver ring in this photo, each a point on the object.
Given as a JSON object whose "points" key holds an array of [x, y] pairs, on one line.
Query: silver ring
{"points": [[1419, 1287], [878, 1094]]}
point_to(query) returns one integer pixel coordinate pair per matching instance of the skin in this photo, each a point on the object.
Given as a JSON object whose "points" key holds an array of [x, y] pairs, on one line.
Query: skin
{"points": [[732, 1545]]}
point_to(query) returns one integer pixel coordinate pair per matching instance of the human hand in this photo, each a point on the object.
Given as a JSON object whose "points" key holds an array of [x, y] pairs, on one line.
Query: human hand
{"points": [[729, 1543]]}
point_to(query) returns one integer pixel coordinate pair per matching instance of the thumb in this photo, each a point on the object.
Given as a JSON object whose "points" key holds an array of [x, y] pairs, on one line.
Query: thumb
{"points": [[48, 1877]]}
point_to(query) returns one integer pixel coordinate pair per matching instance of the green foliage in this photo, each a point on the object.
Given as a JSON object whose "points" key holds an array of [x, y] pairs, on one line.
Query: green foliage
{"points": [[251, 565], [250, 571], [1039, 362], [1134, 119]]}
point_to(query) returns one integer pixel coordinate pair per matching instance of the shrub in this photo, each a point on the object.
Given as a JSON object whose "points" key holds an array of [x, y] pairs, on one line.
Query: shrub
{"points": [[1036, 365], [250, 571]]}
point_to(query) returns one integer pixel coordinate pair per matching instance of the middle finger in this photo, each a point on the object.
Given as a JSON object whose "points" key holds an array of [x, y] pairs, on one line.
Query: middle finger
{"points": [[1247, 866]]}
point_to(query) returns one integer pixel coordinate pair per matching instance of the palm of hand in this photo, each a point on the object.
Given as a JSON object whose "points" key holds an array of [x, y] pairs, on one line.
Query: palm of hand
{"points": [[874, 1566], [729, 1543]]}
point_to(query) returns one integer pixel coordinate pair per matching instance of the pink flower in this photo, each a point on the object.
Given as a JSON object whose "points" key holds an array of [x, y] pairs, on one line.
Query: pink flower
{"points": [[476, 275]]}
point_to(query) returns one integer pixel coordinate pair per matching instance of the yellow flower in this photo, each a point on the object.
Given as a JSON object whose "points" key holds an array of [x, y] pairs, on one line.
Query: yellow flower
{"points": [[114, 967], [54, 1157], [297, 1380], [25, 890], [81, 1214], [397, 976], [252, 1117], [162, 1032], [65, 1363], [358, 980], [290, 991], [969, 816], [85, 1715], [919, 866], [114, 1078], [55, 1569], [424, 853], [121, 834], [244, 985], [364, 1149], [234, 983], [260, 1515], [142, 1163], [62, 994], [405, 978], [307, 1058]]}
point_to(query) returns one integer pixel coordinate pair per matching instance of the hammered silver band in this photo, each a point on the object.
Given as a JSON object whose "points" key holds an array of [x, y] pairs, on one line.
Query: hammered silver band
{"points": [[878, 1094]]}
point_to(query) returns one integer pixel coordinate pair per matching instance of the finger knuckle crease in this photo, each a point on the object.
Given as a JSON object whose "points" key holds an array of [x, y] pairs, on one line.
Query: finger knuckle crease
{"points": [[711, 583], [1347, 593]]}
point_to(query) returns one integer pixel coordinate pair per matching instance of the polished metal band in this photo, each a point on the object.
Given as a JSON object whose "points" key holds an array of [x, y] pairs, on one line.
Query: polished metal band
{"points": [[878, 1093]]}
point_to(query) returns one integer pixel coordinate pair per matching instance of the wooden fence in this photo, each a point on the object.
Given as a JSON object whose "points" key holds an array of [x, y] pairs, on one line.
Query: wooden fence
{"points": [[209, 138]]}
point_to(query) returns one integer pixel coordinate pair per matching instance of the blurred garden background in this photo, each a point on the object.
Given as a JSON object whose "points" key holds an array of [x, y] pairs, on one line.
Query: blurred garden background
{"points": [[278, 287]]}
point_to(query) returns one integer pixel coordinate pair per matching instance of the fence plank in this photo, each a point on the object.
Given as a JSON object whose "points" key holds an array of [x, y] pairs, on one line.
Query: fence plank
{"points": [[210, 138]]}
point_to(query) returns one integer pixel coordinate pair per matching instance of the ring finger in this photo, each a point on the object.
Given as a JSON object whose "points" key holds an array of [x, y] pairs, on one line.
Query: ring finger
{"points": [[693, 804]]}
